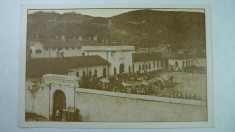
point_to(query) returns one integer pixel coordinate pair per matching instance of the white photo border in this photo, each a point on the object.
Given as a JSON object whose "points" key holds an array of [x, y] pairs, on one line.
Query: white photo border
{"points": [[22, 69]]}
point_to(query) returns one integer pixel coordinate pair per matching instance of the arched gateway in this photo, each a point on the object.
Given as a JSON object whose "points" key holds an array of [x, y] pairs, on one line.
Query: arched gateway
{"points": [[61, 93], [59, 103]]}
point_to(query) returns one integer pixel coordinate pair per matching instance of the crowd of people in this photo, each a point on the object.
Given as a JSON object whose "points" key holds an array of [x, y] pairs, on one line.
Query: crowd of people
{"points": [[156, 83]]}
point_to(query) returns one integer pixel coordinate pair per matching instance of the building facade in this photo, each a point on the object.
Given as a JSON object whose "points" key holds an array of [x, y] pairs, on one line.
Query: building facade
{"points": [[104, 61], [119, 57]]}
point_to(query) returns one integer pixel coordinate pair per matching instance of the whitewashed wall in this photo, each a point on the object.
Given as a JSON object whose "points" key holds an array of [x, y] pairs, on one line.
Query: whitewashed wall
{"points": [[38, 102], [153, 68], [99, 69], [53, 52], [101, 107]]}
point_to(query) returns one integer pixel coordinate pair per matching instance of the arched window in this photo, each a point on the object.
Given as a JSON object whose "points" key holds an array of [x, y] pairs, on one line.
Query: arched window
{"points": [[114, 71], [176, 64], [84, 73], [90, 73], [77, 74], [121, 68], [95, 73], [104, 72]]}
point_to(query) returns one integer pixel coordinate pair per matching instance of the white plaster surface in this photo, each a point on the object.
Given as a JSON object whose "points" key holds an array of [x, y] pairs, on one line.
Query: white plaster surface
{"points": [[106, 106]]}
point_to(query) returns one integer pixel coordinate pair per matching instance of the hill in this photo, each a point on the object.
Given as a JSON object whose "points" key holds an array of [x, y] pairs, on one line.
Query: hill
{"points": [[141, 28]]}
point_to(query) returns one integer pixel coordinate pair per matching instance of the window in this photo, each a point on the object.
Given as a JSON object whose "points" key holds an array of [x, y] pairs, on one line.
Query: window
{"points": [[104, 72], [38, 51], [84, 73], [77, 74], [95, 73], [90, 73], [149, 66], [133, 68], [114, 71], [143, 67], [176, 64], [121, 68]]}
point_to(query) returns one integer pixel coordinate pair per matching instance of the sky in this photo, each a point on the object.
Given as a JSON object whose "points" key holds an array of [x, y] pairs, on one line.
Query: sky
{"points": [[108, 12]]}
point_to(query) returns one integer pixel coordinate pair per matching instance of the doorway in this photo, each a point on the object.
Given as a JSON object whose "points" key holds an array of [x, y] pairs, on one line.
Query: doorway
{"points": [[104, 72], [121, 68], [59, 103]]}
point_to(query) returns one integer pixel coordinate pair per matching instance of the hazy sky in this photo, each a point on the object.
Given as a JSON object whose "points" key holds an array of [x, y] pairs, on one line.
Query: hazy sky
{"points": [[108, 12]]}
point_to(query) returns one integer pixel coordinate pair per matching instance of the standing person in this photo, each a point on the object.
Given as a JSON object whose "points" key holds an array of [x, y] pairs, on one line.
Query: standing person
{"points": [[57, 114]]}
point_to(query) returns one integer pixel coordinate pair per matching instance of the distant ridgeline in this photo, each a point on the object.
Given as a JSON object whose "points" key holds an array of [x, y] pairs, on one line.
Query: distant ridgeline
{"points": [[141, 28]]}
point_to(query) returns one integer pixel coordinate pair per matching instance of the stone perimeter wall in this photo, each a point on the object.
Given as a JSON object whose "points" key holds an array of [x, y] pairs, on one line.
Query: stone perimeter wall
{"points": [[95, 105], [104, 106]]}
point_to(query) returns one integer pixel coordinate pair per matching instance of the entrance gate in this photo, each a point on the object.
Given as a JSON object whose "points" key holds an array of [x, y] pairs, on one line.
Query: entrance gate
{"points": [[121, 68], [59, 103]]}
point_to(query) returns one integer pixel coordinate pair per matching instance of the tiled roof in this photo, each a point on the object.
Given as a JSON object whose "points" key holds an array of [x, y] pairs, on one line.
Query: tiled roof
{"points": [[38, 67]]}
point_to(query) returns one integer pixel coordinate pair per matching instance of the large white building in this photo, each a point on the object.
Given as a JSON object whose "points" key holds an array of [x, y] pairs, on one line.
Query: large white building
{"points": [[100, 61], [120, 57], [38, 50]]}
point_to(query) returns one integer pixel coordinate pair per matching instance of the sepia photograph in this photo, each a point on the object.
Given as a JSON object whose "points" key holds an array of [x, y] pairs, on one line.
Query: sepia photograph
{"points": [[116, 65]]}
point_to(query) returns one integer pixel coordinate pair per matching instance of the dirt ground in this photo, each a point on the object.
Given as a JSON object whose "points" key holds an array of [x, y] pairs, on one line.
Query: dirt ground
{"points": [[193, 82], [34, 117]]}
